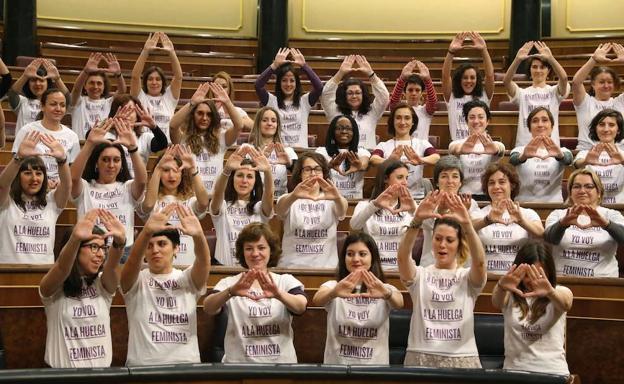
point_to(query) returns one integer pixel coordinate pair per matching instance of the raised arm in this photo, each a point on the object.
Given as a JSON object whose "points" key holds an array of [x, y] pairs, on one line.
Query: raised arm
{"points": [[111, 270], [139, 65], [10, 171], [63, 188], [508, 284], [523, 54], [382, 96], [562, 76], [96, 136], [220, 96], [262, 164], [478, 42], [189, 163], [190, 225], [5, 84], [54, 74], [454, 47], [232, 164], [30, 72], [127, 138], [176, 80], [153, 185], [279, 60], [330, 192], [561, 297], [90, 67], [295, 303], [114, 69]]}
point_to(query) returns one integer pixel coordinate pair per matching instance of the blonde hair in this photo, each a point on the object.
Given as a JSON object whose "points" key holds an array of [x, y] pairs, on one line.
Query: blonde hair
{"points": [[595, 179], [255, 136]]}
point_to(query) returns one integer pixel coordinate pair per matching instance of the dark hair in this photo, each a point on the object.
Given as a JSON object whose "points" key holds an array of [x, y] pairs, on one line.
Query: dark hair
{"points": [[531, 252], [414, 79], [252, 233], [39, 201], [383, 173], [371, 244], [507, 170], [231, 196], [393, 111], [330, 138], [281, 71], [457, 89], [600, 116], [170, 233], [101, 74], [445, 163], [463, 251], [185, 188], [121, 99], [535, 112], [72, 286], [41, 71], [297, 169], [44, 100], [545, 63], [341, 97], [209, 139], [148, 72], [91, 172], [476, 103], [597, 71]]}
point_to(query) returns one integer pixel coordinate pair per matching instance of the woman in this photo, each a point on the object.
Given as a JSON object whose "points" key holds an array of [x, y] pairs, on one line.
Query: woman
{"points": [[77, 293], [541, 163], [259, 303], [90, 99], [197, 124], [350, 97], [347, 160], [175, 179], [266, 137], [467, 82], [534, 307], [310, 214], [402, 123], [503, 225], [359, 290], [294, 108], [539, 93], [387, 213], [239, 198], [604, 82], [28, 211], [585, 235], [25, 94], [477, 150], [150, 86], [605, 158], [443, 294], [224, 80]]}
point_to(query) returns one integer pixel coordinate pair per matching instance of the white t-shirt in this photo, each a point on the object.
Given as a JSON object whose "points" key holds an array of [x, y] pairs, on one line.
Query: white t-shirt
{"points": [[210, 165], [424, 123], [309, 239], [87, 112], [532, 97], [537, 347], [475, 164], [65, 136], [162, 318], [226, 122], [501, 242], [294, 120], [541, 178], [458, 127], [26, 111], [357, 330], [259, 331], [162, 108], [232, 218], [612, 177], [385, 227], [442, 322], [350, 186], [27, 237], [586, 252], [280, 172], [79, 334], [585, 112]]}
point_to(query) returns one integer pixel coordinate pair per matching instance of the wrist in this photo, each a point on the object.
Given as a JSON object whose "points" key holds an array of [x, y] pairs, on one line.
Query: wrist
{"points": [[196, 172], [119, 244], [229, 292], [17, 158], [61, 161], [370, 75], [388, 293], [415, 224], [487, 220], [133, 150], [226, 172]]}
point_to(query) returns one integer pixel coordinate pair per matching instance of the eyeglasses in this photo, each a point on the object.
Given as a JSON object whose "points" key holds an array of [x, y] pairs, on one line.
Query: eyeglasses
{"points": [[589, 187], [344, 128], [94, 247], [354, 93], [317, 169]]}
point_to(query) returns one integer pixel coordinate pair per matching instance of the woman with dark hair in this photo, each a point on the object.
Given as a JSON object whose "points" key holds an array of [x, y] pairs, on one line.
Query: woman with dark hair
{"points": [[504, 226], [77, 293], [150, 86], [540, 66], [239, 198], [387, 213], [293, 106], [443, 294], [605, 158], [604, 83], [585, 235], [541, 163], [359, 288], [467, 82], [350, 97], [224, 80], [310, 214], [347, 160], [90, 98], [414, 152], [28, 211], [259, 303], [534, 307]]}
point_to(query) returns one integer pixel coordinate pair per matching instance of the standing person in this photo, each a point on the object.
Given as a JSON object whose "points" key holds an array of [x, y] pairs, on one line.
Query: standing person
{"points": [[259, 303], [224, 80], [534, 307], [445, 286], [467, 82], [161, 301], [350, 97], [77, 293], [293, 106], [359, 289], [539, 93]]}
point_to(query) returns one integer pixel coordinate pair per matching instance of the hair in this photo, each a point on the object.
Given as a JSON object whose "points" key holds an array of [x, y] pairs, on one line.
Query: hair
{"points": [[225, 76], [148, 72], [595, 178], [383, 173], [597, 71], [72, 286], [330, 138], [39, 199], [507, 170], [102, 75], [91, 172], [209, 139], [231, 196], [120, 100], [281, 71], [456, 87], [476, 103], [393, 111], [297, 169], [463, 250], [254, 232], [414, 79], [600, 116], [531, 252], [170, 233], [535, 112], [545, 63], [445, 163], [341, 97], [371, 244], [185, 188], [255, 136], [41, 71], [44, 100]]}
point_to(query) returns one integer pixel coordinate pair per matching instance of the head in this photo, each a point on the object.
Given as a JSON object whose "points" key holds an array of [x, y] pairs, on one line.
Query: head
{"points": [[258, 247], [244, 184], [402, 120], [448, 245], [96, 86], [202, 127], [467, 80], [287, 85], [343, 132], [153, 81], [359, 252], [88, 263], [225, 81], [267, 123], [352, 95], [53, 105], [500, 181], [538, 70], [540, 122], [121, 100], [309, 164], [477, 115], [35, 86], [161, 250], [604, 81], [390, 172], [585, 187], [172, 179], [107, 164], [607, 126], [31, 183], [448, 174], [413, 90]]}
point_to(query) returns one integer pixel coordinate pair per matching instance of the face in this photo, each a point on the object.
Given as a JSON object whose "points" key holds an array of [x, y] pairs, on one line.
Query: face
{"points": [[540, 124], [109, 165], [607, 130], [469, 80], [94, 87], [154, 84], [202, 116], [310, 168], [37, 86], [344, 132], [413, 92], [159, 254], [89, 261], [170, 175], [499, 187], [268, 124], [288, 84], [244, 181], [224, 84], [31, 181], [398, 176], [354, 96], [603, 85], [55, 107], [403, 122], [539, 72], [257, 253], [445, 244], [477, 120], [357, 257], [131, 118], [584, 190], [449, 180]]}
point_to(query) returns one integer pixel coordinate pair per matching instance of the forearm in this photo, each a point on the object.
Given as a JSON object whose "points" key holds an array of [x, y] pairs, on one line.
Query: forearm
{"points": [[135, 81], [498, 297], [140, 175], [260, 83], [534, 228], [616, 231], [121, 84], [431, 159], [78, 86], [54, 279], [159, 141], [515, 158], [132, 267], [447, 82], [267, 194], [397, 92], [179, 118], [201, 193], [201, 265], [237, 124], [489, 73], [295, 303], [317, 85], [151, 192], [62, 87], [478, 270], [323, 296], [63, 189], [407, 268], [561, 299], [215, 301], [508, 82], [111, 270], [218, 193], [341, 205], [554, 233], [431, 103], [283, 204], [359, 219]]}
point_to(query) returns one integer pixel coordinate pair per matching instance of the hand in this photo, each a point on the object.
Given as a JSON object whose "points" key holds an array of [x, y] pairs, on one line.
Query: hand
{"points": [[167, 45], [600, 54], [298, 57], [234, 161], [596, 219], [408, 69], [56, 149], [457, 210], [98, 132], [423, 71], [406, 201], [31, 69], [375, 288], [242, 286], [510, 281], [347, 66], [364, 65], [200, 94], [52, 71], [307, 189], [458, 42], [553, 149], [478, 42], [92, 63], [281, 58], [468, 145], [593, 155], [151, 42], [125, 112], [619, 52], [145, 118], [269, 289], [345, 287], [497, 209], [328, 190], [183, 152], [219, 94], [28, 146], [513, 208], [158, 220], [114, 227], [412, 156], [83, 230], [523, 52], [355, 163], [189, 223], [543, 50], [125, 134], [538, 285], [396, 153], [466, 199], [614, 153], [282, 155], [571, 216], [530, 150], [261, 163], [396, 199], [489, 146], [336, 162], [168, 156], [113, 65], [428, 206]]}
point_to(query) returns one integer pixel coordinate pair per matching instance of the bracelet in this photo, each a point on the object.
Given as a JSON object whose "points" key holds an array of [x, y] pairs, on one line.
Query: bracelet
{"points": [[17, 159], [226, 174], [61, 162], [371, 75], [414, 224], [451, 52], [191, 104], [133, 149], [195, 173], [119, 246]]}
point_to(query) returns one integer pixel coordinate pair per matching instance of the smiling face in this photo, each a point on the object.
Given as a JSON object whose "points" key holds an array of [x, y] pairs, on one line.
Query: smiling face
{"points": [[94, 87], [445, 245], [159, 254], [89, 262], [257, 253], [55, 107], [310, 168], [31, 181], [37, 86], [607, 130], [358, 256], [244, 181], [354, 96], [109, 165], [603, 86], [469, 80], [477, 120], [343, 133], [541, 124], [539, 71], [499, 187], [154, 83], [268, 124], [288, 84], [584, 191], [449, 180], [403, 122], [398, 176]]}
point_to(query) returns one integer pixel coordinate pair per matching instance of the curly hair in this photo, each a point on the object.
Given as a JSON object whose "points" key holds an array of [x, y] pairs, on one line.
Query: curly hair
{"points": [[507, 170], [341, 97], [254, 232], [458, 90]]}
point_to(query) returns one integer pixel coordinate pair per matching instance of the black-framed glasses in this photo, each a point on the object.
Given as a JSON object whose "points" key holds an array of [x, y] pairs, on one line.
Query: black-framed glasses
{"points": [[94, 247]]}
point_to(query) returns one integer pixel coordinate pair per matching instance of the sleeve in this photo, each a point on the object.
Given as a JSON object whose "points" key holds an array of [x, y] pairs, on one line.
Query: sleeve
{"points": [[51, 201], [131, 294], [289, 208], [223, 284], [20, 103], [193, 204], [363, 152], [568, 157], [323, 151], [49, 300], [554, 230], [379, 151], [558, 95], [397, 92], [260, 83], [18, 139], [159, 141], [328, 100], [128, 188], [581, 155], [188, 282], [432, 97], [333, 209], [258, 210], [289, 282], [74, 150], [222, 210], [381, 97], [531, 215], [362, 212], [292, 155], [169, 99], [317, 85], [517, 98]]}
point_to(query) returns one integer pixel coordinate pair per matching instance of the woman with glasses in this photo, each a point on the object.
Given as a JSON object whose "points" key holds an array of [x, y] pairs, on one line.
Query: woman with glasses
{"points": [[585, 235]]}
